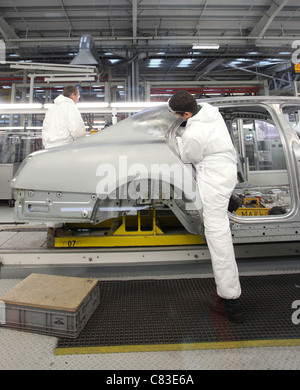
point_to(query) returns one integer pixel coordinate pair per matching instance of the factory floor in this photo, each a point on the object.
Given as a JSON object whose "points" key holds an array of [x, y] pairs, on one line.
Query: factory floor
{"points": [[30, 351]]}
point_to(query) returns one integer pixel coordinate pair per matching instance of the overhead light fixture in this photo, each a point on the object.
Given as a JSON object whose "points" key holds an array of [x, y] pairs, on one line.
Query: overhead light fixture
{"points": [[21, 106], [155, 63], [185, 63], [136, 104], [114, 61], [75, 79], [206, 46], [92, 105], [83, 105]]}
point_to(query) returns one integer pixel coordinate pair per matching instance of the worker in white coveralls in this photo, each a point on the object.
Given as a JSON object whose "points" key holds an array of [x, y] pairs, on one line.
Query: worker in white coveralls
{"points": [[62, 125], [206, 144], [63, 122]]}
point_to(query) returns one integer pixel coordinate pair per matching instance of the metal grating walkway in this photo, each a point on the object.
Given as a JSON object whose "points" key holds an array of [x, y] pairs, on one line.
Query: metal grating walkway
{"points": [[161, 315]]}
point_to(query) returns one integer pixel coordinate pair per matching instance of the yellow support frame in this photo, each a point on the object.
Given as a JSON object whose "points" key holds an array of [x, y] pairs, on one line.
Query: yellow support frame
{"points": [[122, 230], [121, 236]]}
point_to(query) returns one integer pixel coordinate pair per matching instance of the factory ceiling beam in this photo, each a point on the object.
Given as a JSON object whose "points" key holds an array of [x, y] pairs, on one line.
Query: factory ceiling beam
{"points": [[152, 40], [262, 26], [214, 64], [6, 30]]}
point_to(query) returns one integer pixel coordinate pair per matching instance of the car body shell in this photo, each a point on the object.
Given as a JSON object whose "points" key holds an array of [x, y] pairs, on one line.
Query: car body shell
{"points": [[134, 165]]}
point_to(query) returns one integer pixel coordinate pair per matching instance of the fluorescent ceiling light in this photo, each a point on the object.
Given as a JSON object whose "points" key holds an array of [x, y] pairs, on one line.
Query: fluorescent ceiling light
{"points": [[12, 128], [71, 78], [91, 105], [263, 63], [114, 61], [83, 105], [185, 63], [161, 95], [21, 128], [276, 59], [245, 59], [136, 104], [155, 63], [206, 46], [20, 105], [234, 63]]}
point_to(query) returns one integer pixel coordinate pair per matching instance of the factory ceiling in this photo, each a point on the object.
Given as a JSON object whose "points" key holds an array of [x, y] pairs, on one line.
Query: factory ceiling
{"points": [[160, 40]]}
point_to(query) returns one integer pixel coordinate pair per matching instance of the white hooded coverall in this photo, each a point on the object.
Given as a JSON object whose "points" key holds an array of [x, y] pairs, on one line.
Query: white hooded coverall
{"points": [[62, 123], [206, 144]]}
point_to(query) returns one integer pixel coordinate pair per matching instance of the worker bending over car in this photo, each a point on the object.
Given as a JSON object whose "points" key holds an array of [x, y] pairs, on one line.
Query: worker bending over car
{"points": [[206, 144]]}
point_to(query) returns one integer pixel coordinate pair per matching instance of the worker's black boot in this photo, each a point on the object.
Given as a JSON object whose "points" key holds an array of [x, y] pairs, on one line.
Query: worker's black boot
{"points": [[228, 308]]}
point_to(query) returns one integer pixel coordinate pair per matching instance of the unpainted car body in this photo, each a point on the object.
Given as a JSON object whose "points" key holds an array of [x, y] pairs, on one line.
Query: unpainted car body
{"points": [[134, 165]]}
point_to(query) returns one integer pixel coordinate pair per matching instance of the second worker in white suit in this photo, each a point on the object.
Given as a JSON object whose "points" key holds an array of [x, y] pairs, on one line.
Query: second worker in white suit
{"points": [[62, 125], [63, 122]]}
